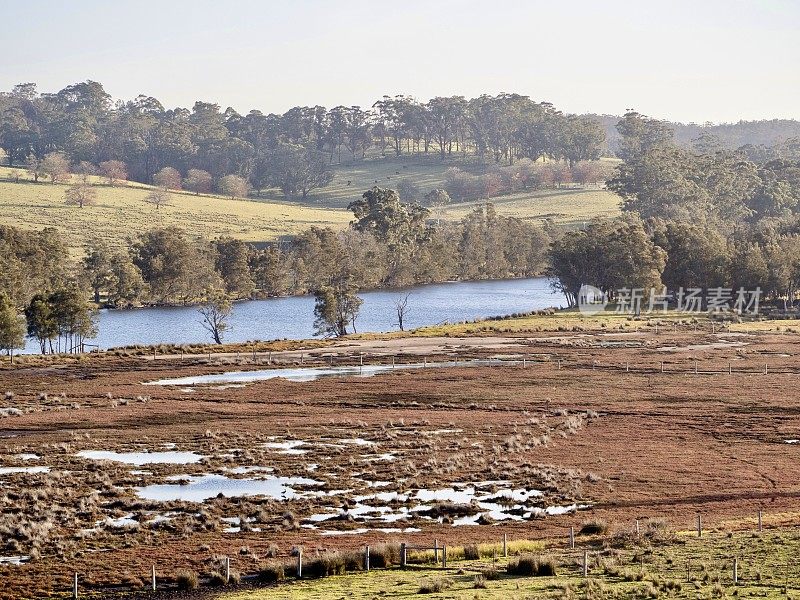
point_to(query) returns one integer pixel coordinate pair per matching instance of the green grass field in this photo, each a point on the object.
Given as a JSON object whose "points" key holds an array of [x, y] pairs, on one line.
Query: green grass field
{"points": [[121, 212], [681, 567]]}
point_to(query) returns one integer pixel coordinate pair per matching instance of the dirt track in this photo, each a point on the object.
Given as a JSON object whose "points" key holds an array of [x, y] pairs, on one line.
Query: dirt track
{"points": [[633, 444]]}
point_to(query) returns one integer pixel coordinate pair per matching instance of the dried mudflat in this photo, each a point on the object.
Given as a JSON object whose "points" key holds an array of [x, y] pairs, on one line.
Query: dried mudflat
{"points": [[130, 474]]}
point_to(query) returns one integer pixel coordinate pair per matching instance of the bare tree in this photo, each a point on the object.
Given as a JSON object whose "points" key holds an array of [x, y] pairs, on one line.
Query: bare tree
{"points": [[233, 186], [80, 195], [56, 166], [198, 181], [168, 178], [401, 309], [114, 171], [158, 198], [216, 312]]}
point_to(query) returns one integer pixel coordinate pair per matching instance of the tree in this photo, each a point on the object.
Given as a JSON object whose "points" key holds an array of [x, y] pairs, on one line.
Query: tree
{"points": [[158, 197], [232, 263], [437, 198], [216, 312], [42, 324], [198, 181], [296, 170], [74, 316], [56, 166], [168, 179], [114, 171], [336, 308], [12, 326], [35, 167], [233, 186], [401, 309], [80, 195], [84, 170]]}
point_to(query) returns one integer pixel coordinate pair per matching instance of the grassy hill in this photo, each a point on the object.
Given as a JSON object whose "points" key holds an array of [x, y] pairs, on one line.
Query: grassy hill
{"points": [[121, 212]]}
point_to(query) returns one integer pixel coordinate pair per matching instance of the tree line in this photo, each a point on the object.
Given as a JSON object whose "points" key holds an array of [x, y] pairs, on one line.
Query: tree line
{"points": [[389, 244], [140, 137], [693, 218]]}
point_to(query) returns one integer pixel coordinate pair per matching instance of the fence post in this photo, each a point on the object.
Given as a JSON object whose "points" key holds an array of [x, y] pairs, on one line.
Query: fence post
{"points": [[627, 367], [735, 571], [559, 364], [730, 369], [424, 361], [75, 587], [444, 556], [523, 361], [699, 525], [302, 358], [766, 368], [361, 359], [759, 521], [403, 557], [662, 366], [637, 526], [153, 576], [571, 538], [227, 569], [269, 358], [505, 545], [585, 563], [366, 558], [300, 563], [436, 551]]}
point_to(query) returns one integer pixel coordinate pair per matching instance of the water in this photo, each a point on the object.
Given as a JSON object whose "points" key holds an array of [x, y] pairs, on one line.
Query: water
{"points": [[300, 374], [201, 488], [293, 317], [143, 458]]}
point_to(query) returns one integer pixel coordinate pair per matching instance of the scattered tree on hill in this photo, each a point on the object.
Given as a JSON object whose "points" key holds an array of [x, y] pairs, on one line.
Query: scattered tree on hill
{"points": [[80, 195], [114, 171], [168, 179], [198, 181], [56, 166], [12, 326], [35, 167], [296, 170], [233, 186], [84, 169], [158, 197], [216, 313]]}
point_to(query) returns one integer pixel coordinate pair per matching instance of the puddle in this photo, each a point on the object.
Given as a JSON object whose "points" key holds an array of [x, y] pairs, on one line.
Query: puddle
{"points": [[14, 560], [287, 447], [248, 469], [357, 442], [12, 470], [202, 487], [304, 374], [379, 457], [366, 530], [792, 441], [27, 456], [138, 459], [126, 522]]}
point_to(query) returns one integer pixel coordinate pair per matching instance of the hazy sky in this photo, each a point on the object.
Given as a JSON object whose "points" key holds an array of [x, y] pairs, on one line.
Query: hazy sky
{"points": [[698, 60]]}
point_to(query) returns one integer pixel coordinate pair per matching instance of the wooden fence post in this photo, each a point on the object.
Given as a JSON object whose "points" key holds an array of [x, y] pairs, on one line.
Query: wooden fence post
{"points": [[444, 556], [735, 571], [366, 558], [627, 367], [75, 587], [585, 563], [759, 521], [153, 577], [637, 526], [269, 359], [766, 368], [559, 364], [730, 369], [403, 556], [300, 563], [662, 366], [571, 538], [227, 569], [436, 551]]}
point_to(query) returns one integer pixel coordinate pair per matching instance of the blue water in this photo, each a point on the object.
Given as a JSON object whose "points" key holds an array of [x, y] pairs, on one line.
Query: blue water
{"points": [[293, 317]]}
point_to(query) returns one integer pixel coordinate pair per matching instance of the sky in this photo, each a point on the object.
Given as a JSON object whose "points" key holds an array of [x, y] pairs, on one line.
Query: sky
{"points": [[691, 61]]}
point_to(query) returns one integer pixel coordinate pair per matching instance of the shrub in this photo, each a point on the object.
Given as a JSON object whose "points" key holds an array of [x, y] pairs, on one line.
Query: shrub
{"points": [[471, 552], [480, 582], [490, 574], [434, 586], [216, 579], [384, 555], [271, 573], [187, 580], [530, 565], [596, 526]]}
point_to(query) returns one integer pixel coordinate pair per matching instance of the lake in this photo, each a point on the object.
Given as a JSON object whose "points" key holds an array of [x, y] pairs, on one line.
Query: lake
{"points": [[293, 317]]}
